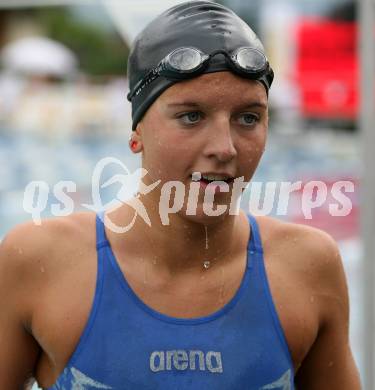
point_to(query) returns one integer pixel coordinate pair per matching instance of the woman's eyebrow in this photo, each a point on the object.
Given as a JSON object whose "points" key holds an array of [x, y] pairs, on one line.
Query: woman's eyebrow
{"points": [[252, 105], [185, 104], [249, 105]]}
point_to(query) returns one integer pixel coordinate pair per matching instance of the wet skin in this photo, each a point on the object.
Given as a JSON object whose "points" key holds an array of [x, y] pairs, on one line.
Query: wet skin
{"points": [[216, 123], [47, 272]]}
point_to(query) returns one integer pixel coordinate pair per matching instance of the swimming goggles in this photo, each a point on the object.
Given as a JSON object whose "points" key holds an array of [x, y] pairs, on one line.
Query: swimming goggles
{"points": [[187, 62]]}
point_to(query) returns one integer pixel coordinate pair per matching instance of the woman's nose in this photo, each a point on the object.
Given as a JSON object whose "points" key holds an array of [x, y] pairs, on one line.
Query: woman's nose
{"points": [[220, 143]]}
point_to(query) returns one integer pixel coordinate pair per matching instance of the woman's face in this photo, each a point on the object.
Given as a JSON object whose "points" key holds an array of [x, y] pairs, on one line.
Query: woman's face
{"points": [[215, 124]]}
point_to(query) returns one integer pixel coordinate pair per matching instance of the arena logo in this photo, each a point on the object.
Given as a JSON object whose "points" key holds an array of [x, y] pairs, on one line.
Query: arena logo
{"points": [[186, 360], [263, 197]]}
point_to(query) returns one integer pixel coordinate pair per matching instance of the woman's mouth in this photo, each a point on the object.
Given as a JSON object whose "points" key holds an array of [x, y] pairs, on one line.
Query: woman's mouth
{"points": [[215, 182]]}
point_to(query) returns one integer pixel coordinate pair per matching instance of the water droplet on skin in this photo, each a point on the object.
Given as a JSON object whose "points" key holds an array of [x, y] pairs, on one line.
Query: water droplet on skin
{"points": [[221, 295], [206, 231], [144, 270], [42, 270], [206, 264]]}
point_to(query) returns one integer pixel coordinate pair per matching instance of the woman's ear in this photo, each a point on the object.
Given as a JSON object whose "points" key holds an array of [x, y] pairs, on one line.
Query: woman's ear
{"points": [[135, 140]]}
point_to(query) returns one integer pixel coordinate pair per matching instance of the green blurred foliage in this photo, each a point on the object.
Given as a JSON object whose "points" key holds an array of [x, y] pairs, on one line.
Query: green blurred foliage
{"points": [[100, 51]]}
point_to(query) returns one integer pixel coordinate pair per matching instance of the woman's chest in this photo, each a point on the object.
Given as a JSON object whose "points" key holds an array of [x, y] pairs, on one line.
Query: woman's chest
{"points": [[63, 317]]}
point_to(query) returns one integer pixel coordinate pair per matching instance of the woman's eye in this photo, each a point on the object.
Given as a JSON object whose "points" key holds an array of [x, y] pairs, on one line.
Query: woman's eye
{"points": [[248, 119], [190, 118]]}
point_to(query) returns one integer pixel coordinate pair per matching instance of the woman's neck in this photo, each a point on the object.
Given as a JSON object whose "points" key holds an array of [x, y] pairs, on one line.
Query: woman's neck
{"points": [[185, 244]]}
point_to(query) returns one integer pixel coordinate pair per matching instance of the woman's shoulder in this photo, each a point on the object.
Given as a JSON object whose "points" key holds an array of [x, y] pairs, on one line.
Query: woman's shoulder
{"points": [[281, 232], [29, 248], [29, 238], [301, 248]]}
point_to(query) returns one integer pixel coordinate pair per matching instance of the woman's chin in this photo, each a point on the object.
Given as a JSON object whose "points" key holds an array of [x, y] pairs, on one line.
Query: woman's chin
{"points": [[205, 215]]}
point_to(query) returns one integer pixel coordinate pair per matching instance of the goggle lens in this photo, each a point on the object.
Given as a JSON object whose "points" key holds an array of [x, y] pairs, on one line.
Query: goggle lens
{"points": [[185, 59], [251, 59]]}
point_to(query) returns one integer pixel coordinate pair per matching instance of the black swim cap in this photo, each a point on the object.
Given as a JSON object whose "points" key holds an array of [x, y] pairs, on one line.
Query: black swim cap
{"points": [[202, 24]]}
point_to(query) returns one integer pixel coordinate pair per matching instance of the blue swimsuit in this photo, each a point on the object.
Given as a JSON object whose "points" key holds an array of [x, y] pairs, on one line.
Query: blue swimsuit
{"points": [[128, 345]]}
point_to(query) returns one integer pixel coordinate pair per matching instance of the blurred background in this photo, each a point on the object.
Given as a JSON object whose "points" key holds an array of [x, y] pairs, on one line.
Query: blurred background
{"points": [[63, 104]]}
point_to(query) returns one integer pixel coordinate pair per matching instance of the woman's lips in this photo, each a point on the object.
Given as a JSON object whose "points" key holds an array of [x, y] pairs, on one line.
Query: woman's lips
{"points": [[215, 186]]}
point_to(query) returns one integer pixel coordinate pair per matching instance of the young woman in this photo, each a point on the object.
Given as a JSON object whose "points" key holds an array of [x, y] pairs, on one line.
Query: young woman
{"points": [[196, 295]]}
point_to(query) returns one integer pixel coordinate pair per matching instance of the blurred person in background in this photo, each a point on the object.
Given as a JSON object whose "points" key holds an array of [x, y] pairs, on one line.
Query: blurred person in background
{"points": [[206, 300]]}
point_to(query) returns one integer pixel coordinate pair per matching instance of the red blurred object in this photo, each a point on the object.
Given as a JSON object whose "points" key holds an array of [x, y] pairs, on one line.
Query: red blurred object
{"points": [[340, 227], [327, 68]]}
